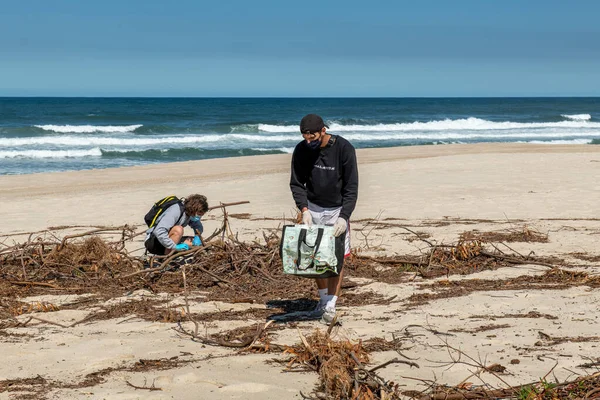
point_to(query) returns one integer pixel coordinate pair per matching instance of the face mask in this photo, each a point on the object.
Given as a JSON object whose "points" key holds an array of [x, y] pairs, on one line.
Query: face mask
{"points": [[195, 218], [314, 145]]}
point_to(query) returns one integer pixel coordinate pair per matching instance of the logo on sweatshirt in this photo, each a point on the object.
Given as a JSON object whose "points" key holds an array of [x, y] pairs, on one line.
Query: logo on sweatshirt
{"points": [[324, 167]]}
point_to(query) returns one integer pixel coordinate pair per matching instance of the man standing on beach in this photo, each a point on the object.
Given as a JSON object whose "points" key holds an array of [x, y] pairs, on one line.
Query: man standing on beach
{"points": [[324, 184]]}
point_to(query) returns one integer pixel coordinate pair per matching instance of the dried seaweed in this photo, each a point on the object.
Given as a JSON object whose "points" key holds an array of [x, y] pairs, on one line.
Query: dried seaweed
{"points": [[341, 365], [520, 234]]}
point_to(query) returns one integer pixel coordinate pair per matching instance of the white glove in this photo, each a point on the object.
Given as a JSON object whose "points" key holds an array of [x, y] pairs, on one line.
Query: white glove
{"points": [[306, 218], [339, 227]]}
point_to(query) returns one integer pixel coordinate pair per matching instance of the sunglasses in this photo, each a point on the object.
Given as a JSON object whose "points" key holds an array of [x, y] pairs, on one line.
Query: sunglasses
{"points": [[310, 134]]}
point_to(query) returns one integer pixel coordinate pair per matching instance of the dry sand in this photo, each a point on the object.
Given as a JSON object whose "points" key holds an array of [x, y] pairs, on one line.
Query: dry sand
{"points": [[438, 190]]}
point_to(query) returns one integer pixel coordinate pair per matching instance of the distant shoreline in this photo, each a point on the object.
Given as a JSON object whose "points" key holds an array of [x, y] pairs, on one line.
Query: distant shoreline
{"points": [[300, 97]]}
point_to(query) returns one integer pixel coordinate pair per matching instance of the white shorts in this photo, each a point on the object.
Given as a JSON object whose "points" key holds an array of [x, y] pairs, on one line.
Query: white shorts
{"points": [[328, 216]]}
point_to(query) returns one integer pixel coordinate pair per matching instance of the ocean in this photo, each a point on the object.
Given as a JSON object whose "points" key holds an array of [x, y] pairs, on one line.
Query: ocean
{"points": [[60, 134]]}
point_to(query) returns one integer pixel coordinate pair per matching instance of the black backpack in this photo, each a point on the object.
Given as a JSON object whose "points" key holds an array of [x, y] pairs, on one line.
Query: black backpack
{"points": [[161, 206]]}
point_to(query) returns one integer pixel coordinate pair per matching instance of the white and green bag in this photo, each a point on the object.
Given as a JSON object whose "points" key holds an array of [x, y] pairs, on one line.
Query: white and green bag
{"points": [[311, 251]]}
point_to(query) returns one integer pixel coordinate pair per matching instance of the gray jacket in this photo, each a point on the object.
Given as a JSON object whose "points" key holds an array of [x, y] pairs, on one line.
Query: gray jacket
{"points": [[171, 217]]}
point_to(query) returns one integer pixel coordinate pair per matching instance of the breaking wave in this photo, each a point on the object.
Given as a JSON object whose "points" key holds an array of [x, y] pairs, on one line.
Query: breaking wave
{"points": [[88, 128], [577, 117], [96, 152]]}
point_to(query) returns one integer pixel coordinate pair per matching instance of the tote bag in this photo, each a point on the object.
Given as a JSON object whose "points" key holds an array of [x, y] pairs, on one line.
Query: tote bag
{"points": [[311, 251]]}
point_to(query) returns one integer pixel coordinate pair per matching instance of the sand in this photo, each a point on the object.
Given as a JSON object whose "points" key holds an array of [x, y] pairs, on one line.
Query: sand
{"points": [[439, 190]]}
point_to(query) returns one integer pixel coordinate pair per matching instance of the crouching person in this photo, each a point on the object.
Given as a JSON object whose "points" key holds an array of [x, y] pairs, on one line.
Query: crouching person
{"points": [[167, 220]]}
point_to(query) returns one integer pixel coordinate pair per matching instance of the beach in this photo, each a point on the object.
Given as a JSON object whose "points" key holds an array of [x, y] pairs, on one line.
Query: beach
{"points": [[441, 191], [478, 181]]}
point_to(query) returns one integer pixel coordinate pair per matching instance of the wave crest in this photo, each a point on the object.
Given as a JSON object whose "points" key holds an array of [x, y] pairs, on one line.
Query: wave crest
{"points": [[577, 117], [471, 124], [89, 128], [96, 152]]}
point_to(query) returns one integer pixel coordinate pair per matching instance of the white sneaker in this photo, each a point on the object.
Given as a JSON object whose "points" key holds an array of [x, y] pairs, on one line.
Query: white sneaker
{"points": [[328, 316]]}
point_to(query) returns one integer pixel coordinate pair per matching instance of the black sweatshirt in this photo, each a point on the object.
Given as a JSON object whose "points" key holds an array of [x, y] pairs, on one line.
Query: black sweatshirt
{"points": [[327, 177]]}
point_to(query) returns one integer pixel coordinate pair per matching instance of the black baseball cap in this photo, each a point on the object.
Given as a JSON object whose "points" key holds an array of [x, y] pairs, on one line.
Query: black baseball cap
{"points": [[311, 123]]}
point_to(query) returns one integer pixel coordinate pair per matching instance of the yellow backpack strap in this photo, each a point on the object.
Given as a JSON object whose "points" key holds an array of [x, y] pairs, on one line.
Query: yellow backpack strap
{"points": [[159, 204], [155, 217], [163, 201]]}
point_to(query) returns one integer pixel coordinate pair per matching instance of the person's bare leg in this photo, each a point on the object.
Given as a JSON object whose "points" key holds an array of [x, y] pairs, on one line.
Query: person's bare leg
{"points": [[334, 284], [175, 234], [322, 283]]}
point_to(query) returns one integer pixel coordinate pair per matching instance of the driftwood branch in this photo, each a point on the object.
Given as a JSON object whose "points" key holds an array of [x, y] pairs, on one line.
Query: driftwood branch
{"points": [[223, 205], [150, 388]]}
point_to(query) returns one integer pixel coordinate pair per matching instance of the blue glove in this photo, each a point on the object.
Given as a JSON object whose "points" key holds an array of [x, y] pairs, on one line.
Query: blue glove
{"points": [[182, 246], [197, 241]]}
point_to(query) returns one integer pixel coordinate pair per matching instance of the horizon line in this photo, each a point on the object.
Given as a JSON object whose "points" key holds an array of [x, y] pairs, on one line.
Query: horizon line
{"points": [[301, 97]]}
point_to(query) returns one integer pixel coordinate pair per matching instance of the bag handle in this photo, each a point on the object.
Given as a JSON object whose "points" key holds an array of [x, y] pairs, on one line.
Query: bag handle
{"points": [[318, 241], [302, 239]]}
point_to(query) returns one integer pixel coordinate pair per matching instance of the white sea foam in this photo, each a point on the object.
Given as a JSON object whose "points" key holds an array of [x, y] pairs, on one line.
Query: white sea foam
{"points": [[278, 128], [50, 153], [246, 140], [288, 150], [473, 124], [456, 135], [577, 117], [245, 128], [106, 141], [573, 141], [137, 141], [263, 138], [89, 128]]}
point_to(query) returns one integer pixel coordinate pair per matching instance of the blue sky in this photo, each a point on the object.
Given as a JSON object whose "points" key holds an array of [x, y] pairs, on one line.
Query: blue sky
{"points": [[303, 48]]}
